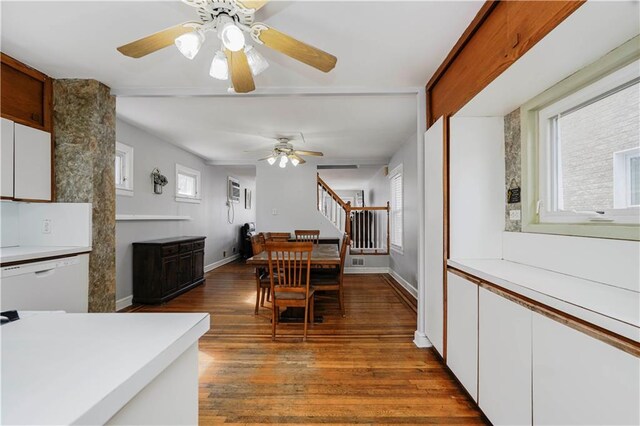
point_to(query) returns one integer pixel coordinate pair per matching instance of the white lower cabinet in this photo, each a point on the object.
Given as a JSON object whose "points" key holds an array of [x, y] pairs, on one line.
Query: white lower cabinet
{"points": [[462, 332], [504, 360], [580, 380]]}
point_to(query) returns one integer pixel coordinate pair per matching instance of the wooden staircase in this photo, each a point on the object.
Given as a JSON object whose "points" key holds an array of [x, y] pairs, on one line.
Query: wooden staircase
{"points": [[367, 227]]}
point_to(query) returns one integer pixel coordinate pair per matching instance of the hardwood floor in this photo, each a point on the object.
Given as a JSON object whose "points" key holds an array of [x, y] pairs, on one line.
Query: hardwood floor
{"points": [[360, 369]]}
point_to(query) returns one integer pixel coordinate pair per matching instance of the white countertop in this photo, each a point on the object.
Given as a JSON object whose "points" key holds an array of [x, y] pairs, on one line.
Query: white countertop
{"points": [[20, 253], [613, 308], [83, 368]]}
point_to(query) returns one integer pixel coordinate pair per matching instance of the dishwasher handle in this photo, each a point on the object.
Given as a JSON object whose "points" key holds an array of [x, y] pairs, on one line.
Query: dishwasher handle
{"points": [[45, 273]]}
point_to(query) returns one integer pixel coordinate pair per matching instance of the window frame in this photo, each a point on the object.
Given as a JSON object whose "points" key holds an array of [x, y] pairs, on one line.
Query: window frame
{"points": [[397, 171], [187, 171], [125, 189], [622, 178], [618, 58]]}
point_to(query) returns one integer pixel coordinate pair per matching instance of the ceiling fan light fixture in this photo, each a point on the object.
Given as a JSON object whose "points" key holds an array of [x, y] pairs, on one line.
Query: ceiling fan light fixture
{"points": [[219, 66], [271, 160], [257, 62], [189, 44], [232, 37], [294, 161], [283, 161]]}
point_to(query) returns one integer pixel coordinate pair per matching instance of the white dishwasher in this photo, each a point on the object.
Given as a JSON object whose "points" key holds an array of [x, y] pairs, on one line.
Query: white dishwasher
{"points": [[58, 284]]}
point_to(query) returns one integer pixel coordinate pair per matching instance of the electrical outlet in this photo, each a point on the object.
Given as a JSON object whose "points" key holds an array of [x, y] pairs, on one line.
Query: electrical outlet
{"points": [[274, 212], [234, 249], [46, 226], [514, 214], [224, 254]]}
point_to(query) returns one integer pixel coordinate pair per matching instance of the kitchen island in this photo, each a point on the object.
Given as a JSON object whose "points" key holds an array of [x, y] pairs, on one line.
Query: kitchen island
{"points": [[101, 369]]}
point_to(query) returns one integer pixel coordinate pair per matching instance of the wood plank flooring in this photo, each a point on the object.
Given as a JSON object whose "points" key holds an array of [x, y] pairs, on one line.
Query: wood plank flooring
{"points": [[362, 369]]}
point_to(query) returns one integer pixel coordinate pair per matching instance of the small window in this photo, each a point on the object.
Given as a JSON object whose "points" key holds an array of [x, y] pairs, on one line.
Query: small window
{"points": [[589, 152], [124, 169], [397, 208], [187, 184]]}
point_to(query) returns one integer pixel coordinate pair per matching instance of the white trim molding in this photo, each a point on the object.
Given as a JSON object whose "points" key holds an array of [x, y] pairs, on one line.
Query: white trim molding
{"points": [[404, 283], [219, 263], [421, 340], [125, 302], [367, 270]]}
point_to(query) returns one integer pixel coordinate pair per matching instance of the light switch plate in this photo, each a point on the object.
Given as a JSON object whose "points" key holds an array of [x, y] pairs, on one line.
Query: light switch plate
{"points": [[46, 226], [514, 214], [274, 212]]}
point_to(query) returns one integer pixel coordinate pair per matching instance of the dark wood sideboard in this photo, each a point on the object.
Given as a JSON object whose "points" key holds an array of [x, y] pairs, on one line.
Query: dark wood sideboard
{"points": [[166, 268]]}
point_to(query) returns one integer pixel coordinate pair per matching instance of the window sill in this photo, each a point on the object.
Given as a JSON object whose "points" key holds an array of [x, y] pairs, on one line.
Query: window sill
{"points": [[188, 200], [124, 192], [592, 229]]}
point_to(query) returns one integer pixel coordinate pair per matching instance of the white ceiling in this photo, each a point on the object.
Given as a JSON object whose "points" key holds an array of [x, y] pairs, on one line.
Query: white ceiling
{"points": [[389, 48], [349, 179], [367, 128]]}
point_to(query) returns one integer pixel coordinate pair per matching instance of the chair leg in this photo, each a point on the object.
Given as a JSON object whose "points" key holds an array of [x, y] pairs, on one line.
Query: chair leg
{"points": [[274, 320], [341, 297], [306, 313], [263, 291], [312, 317], [257, 297]]}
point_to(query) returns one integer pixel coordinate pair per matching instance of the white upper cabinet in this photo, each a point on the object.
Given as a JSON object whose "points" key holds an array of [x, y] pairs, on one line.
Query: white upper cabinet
{"points": [[6, 158], [32, 164], [504, 360], [462, 332]]}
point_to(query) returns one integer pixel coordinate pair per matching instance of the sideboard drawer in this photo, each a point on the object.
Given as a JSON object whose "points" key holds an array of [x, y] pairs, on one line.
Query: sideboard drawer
{"points": [[186, 247], [169, 250], [198, 245]]}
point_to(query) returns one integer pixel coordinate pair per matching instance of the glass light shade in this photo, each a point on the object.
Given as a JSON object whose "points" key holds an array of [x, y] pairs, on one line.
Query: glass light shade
{"points": [[189, 44], [271, 160], [219, 67], [295, 161], [232, 37], [257, 62], [283, 161]]}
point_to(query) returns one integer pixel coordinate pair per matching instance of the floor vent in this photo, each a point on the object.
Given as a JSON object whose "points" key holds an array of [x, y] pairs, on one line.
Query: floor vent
{"points": [[357, 261]]}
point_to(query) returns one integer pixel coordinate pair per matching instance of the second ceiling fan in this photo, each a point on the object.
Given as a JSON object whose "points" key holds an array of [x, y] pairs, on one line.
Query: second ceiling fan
{"points": [[236, 60]]}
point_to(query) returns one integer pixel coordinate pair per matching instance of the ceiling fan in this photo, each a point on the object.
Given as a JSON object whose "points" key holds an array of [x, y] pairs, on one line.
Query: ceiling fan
{"points": [[285, 152], [230, 19]]}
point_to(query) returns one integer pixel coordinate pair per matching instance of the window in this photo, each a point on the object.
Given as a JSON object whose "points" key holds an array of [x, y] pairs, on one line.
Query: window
{"points": [[589, 144], [124, 169], [397, 206], [187, 184]]}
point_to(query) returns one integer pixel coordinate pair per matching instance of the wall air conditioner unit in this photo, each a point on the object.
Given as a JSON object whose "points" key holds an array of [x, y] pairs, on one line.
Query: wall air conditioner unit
{"points": [[233, 191]]}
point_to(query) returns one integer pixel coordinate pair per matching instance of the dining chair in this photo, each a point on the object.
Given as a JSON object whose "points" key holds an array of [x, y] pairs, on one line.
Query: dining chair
{"points": [[277, 236], [289, 272], [263, 283], [312, 235], [333, 281]]}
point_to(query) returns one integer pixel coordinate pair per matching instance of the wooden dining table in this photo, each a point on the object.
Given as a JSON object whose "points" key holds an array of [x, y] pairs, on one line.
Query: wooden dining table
{"points": [[322, 256]]}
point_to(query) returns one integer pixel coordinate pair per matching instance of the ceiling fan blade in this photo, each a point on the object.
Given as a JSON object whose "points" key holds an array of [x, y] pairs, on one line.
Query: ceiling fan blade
{"points": [[241, 75], [252, 4], [265, 158], [311, 153], [157, 41], [300, 159], [297, 50]]}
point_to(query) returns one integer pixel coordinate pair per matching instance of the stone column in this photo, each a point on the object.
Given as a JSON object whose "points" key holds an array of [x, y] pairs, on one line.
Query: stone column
{"points": [[85, 134]]}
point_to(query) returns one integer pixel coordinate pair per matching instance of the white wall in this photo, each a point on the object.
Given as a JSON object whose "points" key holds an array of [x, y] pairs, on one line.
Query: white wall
{"points": [[208, 218], [292, 193], [404, 264]]}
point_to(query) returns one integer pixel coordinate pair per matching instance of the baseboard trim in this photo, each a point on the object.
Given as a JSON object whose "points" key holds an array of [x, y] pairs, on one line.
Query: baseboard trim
{"points": [[421, 340], [404, 283], [219, 263], [125, 302], [366, 270]]}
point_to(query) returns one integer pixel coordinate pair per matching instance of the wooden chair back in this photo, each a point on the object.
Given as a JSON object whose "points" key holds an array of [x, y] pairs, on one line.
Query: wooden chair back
{"points": [[257, 243], [277, 236], [312, 235], [289, 265]]}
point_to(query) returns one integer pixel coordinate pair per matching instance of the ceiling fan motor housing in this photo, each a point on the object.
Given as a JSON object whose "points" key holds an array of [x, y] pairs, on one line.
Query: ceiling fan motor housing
{"points": [[210, 12]]}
